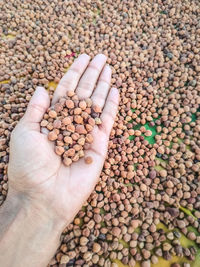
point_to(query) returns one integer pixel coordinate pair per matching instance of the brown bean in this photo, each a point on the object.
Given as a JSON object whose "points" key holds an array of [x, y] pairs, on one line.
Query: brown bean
{"points": [[88, 160]]}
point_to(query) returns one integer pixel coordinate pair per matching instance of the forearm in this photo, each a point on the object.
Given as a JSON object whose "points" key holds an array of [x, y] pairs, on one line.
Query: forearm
{"points": [[26, 237]]}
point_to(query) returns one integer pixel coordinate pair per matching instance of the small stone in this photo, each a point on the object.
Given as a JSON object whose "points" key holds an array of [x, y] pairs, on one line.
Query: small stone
{"points": [[177, 234]]}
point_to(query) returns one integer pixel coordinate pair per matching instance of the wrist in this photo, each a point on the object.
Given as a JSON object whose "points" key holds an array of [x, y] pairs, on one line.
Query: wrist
{"points": [[35, 233], [38, 213]]}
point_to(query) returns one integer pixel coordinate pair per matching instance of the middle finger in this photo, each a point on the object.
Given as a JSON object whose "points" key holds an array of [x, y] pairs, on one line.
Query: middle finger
{"points": [[90, 77], [70, 80]]}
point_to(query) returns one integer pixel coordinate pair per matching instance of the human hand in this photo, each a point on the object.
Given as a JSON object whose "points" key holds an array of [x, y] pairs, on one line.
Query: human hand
{"points": [[35, 171]]}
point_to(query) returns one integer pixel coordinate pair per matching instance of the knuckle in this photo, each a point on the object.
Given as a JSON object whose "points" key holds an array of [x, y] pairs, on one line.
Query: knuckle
{"points": [[63, 85], [99, 97], [75, 71], [85, 85], [93, 68], [104, 83], [37, 107]]}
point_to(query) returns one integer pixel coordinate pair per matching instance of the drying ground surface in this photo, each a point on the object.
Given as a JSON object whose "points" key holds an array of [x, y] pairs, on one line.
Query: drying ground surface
{"points": [[145, 210]]}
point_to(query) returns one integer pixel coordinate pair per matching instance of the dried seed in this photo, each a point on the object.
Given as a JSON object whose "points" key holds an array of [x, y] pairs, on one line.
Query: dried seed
{"points": [[88, 160], [52, 114], [67, 161], [82, 105], [52, 136], [59, 150], [69, 104]]}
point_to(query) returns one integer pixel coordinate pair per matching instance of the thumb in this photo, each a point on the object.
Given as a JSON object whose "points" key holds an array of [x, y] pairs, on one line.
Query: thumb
{"points": [[37, 106]]}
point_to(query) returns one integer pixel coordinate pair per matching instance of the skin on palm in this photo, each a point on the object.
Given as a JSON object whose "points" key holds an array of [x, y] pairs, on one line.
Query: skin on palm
{"points": [[35, 170]]}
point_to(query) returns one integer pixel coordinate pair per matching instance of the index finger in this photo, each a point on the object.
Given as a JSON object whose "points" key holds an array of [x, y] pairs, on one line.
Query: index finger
{"points": [[70, 80]]}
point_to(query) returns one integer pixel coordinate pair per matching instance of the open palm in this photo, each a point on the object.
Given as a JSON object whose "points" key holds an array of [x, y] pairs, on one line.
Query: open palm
{"points": [[35, 170]]}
